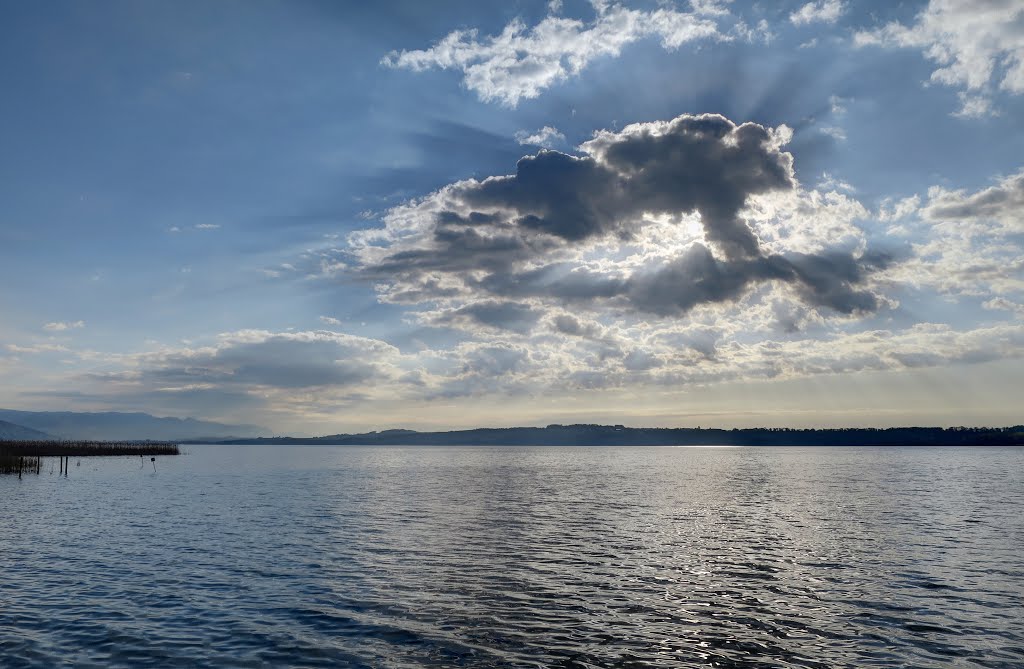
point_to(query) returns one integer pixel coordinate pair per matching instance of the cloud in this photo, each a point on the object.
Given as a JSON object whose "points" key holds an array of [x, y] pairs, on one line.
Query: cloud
{"points": [[837, 105], [694, 356], [577, 327], [823, 11], [978, 45], [38, 348], [277, 360], [1002, 204], [61, 326], [761, 32], [974, 106], [207, 226], [646, 220], [834, 131], [330, 320], [546, 137], [965, 243], [1003, 304], [522, 61], [513, 316], [289, 376], [287, 372]]}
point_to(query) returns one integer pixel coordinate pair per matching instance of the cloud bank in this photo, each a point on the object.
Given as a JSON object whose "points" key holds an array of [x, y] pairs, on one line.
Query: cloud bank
{"points": [[778, 282]]}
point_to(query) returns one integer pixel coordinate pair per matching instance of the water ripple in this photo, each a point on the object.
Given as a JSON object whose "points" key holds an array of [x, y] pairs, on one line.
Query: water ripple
{"points": [[518, 557]]}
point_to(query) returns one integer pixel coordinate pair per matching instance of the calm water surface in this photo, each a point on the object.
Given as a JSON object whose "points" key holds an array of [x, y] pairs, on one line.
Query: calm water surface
{"points": [[521, 557]]}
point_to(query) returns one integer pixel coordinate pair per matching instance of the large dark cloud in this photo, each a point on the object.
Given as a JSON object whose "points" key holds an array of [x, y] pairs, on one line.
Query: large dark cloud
{"points": [[692, 163], [498, 315], [699, 163], [830, 279], [697, 277], [513, 237]]}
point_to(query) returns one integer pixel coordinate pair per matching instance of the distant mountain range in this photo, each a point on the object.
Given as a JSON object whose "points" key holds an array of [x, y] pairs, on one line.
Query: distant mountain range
{"points": [[13, 432], [618, 435], [108, 426]]}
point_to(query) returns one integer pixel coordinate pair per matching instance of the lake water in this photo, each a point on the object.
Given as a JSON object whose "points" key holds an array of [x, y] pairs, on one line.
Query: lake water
{"points": [[519, 557]]}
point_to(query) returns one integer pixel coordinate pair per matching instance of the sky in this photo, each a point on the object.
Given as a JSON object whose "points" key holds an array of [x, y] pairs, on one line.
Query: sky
{"points": [[328, 217]]}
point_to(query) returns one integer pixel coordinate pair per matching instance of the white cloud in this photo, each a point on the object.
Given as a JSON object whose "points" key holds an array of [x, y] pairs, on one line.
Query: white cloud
{"points": [[207, 226], [834, 131], [837, 104], [60, 326], [823, 11], [1003, 304], [522, 61], [978, 45], [710, 7], [974, 106], [965, 243], [829, 182], [1002, 204], [330, 320], [894, 210], [38, 348], [644, 355], [547, 137], [760, 32]]}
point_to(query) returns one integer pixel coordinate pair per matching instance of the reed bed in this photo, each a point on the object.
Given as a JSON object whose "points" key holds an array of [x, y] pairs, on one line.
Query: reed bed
{"points": [[18, 464], [76, 449]]}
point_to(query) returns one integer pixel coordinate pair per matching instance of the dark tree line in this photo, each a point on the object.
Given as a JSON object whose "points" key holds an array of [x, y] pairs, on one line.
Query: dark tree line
{"points": [[618, 435]]}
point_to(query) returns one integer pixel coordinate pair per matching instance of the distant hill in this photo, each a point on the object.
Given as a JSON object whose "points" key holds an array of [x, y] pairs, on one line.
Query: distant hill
{"points": [[618, 435], [126, 426], [12, 432]]}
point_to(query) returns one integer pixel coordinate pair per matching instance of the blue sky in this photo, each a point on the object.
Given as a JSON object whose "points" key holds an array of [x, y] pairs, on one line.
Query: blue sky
{"points": [[313, 216]]}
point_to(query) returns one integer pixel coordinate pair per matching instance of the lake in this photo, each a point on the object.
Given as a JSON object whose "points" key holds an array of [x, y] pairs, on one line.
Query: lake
{"points": [[250, 556]]}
